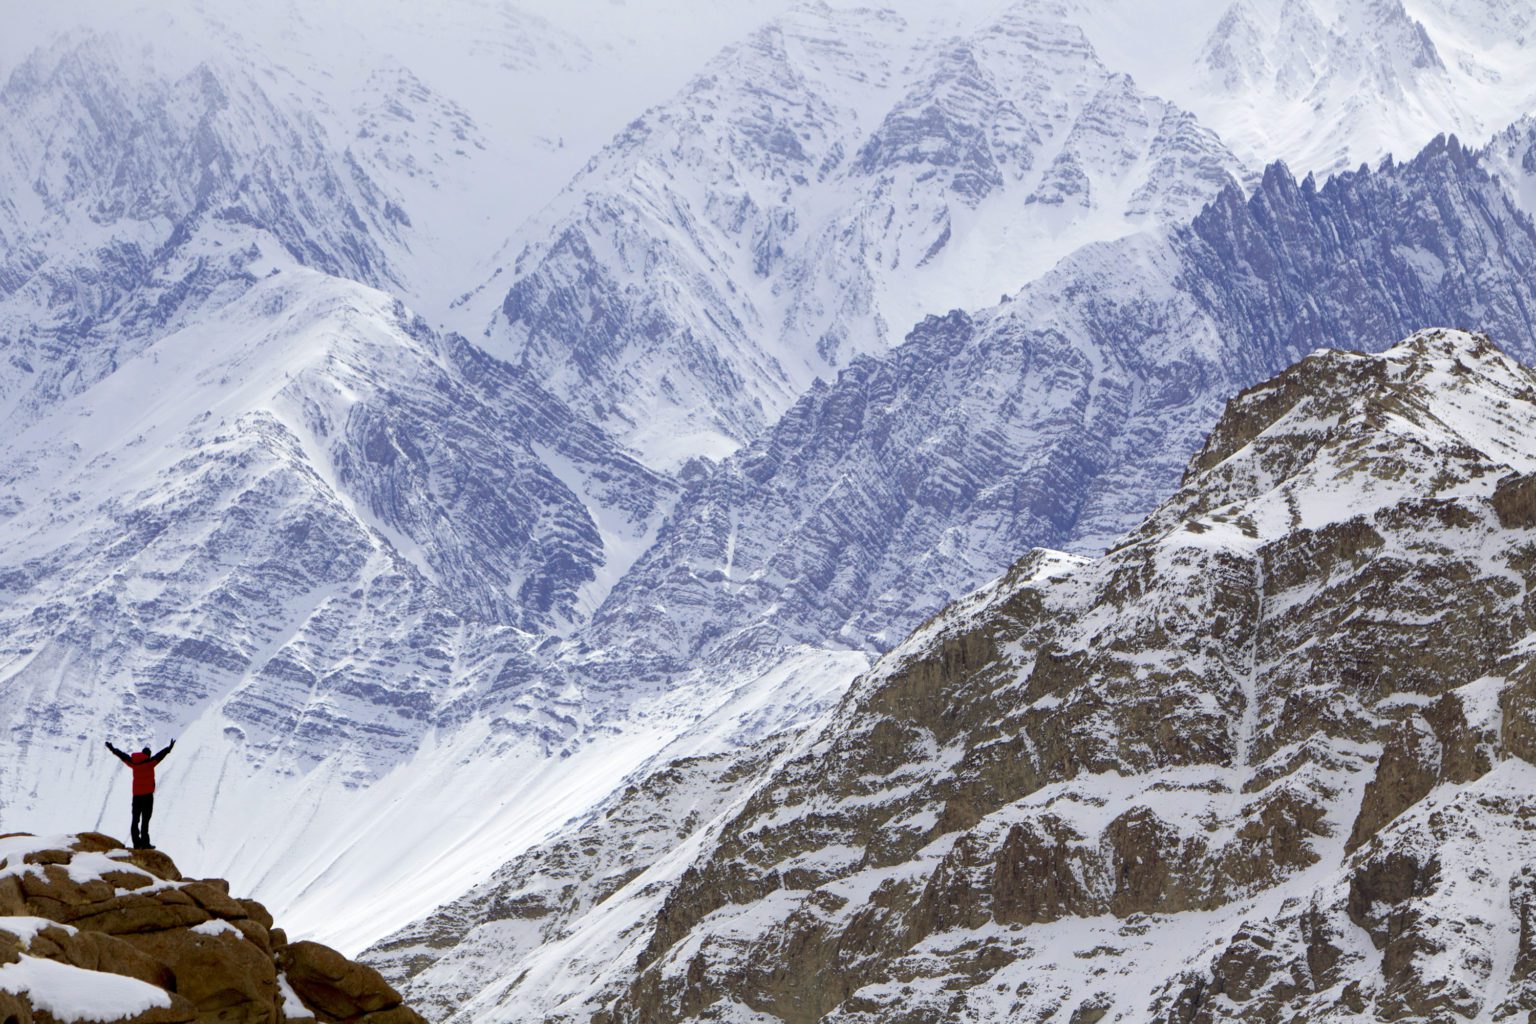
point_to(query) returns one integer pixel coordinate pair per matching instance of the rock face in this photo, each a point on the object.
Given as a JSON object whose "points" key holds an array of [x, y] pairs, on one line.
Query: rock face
{"points": [[810, 193], [1056, 418], [92, 931], [1267, 759], [546, 932]]}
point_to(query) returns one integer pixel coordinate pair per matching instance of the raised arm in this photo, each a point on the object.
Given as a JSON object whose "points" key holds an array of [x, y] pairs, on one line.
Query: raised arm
{"points": [[161, 756], [120, 755]]}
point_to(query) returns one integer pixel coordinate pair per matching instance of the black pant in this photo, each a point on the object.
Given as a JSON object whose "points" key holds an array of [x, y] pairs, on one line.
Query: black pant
{"points": [[143, 807]]}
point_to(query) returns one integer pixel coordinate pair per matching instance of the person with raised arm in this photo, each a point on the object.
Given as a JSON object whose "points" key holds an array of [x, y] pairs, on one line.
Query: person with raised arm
{"points": [[143, 765]]}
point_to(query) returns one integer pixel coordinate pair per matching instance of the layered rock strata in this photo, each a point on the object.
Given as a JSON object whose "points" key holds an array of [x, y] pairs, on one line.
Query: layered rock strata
{"points": [[1268, 759]]}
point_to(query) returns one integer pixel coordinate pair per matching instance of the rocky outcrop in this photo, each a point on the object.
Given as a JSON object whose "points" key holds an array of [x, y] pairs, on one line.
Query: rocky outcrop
{"points": [[1264, 761], [92, 931]]}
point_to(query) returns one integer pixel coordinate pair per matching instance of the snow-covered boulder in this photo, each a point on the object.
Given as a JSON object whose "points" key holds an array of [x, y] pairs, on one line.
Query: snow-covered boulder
{"points": [[90, 931]]}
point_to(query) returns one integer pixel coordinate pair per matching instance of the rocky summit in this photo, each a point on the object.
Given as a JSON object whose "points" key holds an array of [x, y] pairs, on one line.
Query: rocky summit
{"points": [[1270, 758], [90, 931]]}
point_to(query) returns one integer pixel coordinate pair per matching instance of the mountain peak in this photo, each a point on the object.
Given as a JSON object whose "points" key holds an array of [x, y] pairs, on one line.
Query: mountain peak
{"points": [[1450, 403], [1292, 707]]}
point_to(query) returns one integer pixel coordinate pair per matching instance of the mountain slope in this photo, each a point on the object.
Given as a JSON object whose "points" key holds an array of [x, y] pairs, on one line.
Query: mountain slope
{"points": [[1267, 757], [819, 184], [1054, 419], [315, 535], [134, 199]]}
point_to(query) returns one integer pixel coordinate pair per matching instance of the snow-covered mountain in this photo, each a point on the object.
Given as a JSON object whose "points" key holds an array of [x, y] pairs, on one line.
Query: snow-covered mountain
{"points": [[413, 601], [128, 198], [1057, 418], [844, 172], [814, 191], [1327, 84], [1267, 758]]}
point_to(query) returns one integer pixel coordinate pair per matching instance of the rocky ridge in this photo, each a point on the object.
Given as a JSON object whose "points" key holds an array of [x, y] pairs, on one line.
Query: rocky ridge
{"points": [[90, 931], [542, 927], [1270, 756], [1290, 706], [777, 217], [1055, 418]]}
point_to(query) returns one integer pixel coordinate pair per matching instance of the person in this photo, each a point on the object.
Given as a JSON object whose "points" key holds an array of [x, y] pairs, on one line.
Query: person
{"points": [[143, 765]]}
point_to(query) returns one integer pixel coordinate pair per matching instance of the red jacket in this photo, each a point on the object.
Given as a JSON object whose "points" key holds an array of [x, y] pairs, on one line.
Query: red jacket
{"points": [[143, 766], [143, 772]]}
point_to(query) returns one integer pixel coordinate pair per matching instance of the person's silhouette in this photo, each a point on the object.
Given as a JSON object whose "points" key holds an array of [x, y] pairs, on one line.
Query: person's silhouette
{"points": [[143, 765]]}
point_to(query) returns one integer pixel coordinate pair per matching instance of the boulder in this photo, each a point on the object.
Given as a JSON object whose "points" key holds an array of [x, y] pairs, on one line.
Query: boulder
{"points": [[95, 951], [14, 1009], [339, 989], [225, 977]]}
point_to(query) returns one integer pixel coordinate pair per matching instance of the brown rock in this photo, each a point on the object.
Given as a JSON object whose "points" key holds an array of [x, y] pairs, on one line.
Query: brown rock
{"points": [[225, 977], [47, 857], [1033, 879], [1514, 501], [15, 1009], [1432, 747], [337, 988], [133, 913], [95, 951], [255, 933], [128, 880], [1408, 770], [215, 900], [256, 912], [1381, 883], [10, 946], [54, 887], [156, 863], [1148, 860], [1323, 954], [94, 842], [13, 902], [1518, 704], [951, 899]]}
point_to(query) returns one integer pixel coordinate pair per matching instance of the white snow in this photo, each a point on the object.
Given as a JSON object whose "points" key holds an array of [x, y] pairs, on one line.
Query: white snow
{"points": [[69, 993], [215, 928]]}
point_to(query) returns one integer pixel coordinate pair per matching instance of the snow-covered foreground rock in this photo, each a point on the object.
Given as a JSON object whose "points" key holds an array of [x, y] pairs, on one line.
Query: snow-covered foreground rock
{"points": [[90, 931], [1270, 756]]}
